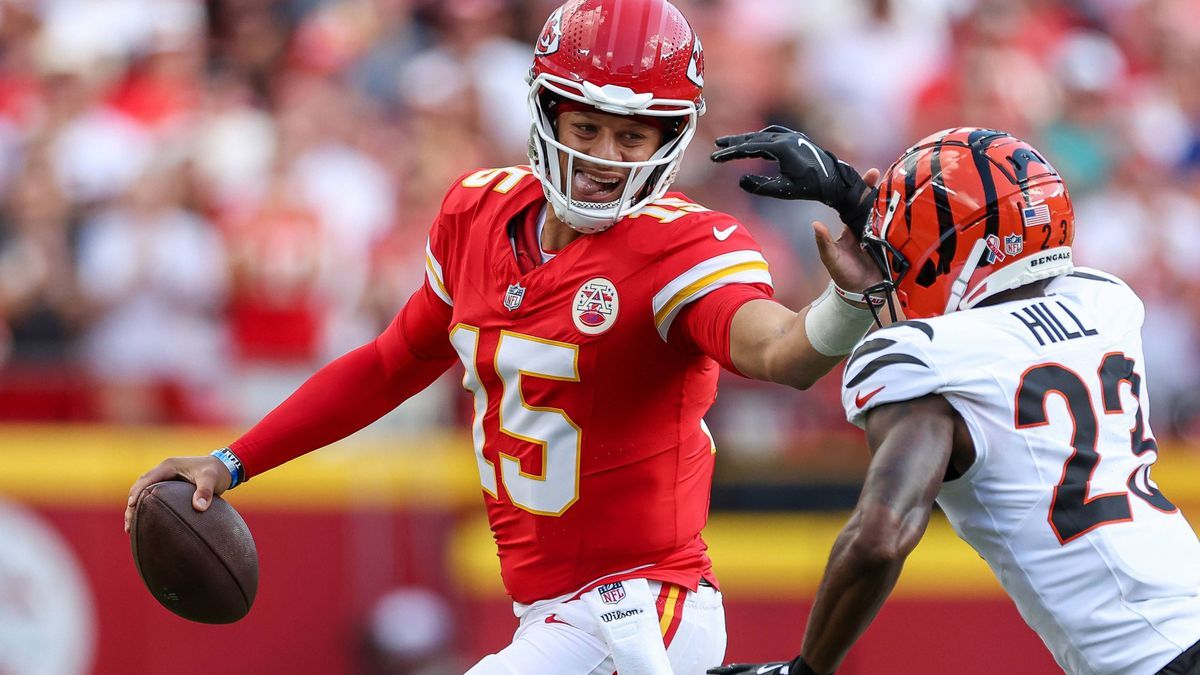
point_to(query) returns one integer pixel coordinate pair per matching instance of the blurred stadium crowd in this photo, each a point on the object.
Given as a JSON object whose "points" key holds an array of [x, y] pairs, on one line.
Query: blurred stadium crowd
{"points": [[200, 202]]}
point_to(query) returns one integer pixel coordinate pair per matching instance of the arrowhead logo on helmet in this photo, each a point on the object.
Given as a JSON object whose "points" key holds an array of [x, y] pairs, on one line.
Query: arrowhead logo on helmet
{"points": [[695, 71], [551, 35]]}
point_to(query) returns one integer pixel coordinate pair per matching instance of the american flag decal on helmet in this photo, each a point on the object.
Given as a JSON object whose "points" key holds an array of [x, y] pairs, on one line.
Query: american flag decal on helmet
{"points": [[1038, 214]]}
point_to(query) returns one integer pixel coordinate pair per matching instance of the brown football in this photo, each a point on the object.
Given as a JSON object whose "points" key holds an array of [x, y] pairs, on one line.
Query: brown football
{"points": [[201, 566]]}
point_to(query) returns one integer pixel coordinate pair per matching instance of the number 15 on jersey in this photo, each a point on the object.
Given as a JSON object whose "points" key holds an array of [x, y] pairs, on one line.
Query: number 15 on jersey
{"points": [[517, 356]]}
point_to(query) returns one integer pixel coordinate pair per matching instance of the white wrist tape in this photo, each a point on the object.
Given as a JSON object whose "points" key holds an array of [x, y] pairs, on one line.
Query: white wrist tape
{"points": [[833, 325]]}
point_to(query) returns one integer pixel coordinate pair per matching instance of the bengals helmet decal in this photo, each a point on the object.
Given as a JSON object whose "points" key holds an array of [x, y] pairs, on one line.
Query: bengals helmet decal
{"points": [[964, 214]]}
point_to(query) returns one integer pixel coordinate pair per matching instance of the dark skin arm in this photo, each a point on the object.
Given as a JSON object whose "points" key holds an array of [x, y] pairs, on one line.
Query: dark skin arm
{"points": [[911, 444], [915, 445]]}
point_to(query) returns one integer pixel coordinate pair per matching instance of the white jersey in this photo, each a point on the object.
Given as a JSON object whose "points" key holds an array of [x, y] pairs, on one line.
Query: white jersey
{"points": [[1059, 501]]}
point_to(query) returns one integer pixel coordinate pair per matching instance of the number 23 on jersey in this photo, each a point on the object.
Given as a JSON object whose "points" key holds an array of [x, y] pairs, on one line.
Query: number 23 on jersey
{"points": [[1073, 511]]}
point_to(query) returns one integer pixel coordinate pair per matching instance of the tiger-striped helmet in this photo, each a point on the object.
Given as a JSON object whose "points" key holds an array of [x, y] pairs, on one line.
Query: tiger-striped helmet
{"points": [[964, 214]]}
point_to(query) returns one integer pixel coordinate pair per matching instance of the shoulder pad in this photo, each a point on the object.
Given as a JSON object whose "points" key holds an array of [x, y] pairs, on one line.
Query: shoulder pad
{"points": [[889, 365], [476, 186]]}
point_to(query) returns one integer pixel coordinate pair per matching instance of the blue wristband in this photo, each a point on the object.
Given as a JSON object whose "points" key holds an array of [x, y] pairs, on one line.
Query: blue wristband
{"points": [[237, 473]]}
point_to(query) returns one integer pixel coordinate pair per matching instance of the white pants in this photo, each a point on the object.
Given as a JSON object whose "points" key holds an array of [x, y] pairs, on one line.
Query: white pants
{"points": [[620, 628]]}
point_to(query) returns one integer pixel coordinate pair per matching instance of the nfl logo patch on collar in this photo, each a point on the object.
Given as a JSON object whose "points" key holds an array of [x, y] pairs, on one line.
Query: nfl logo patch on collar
{"points": [[514, 296]]}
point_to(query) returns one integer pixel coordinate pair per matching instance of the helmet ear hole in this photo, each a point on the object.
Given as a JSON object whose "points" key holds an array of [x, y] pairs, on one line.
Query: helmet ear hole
{"points": [[928, 274]]}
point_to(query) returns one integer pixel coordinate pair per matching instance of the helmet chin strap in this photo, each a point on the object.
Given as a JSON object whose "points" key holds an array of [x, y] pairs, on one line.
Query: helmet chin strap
{"points": [[959, 287]]}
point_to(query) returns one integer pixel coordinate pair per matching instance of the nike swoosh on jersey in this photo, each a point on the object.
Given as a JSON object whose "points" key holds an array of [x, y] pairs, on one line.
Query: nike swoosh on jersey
{"points": [[722, 235], [762, 670], [553, 618], [860, 400]]}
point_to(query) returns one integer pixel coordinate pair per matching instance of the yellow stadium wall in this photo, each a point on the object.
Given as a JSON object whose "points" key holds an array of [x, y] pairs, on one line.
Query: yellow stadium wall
{"points": [[339, 527]]}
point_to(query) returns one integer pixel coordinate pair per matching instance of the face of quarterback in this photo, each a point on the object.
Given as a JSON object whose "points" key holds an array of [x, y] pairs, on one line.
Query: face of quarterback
{"points": [[605, 136]]}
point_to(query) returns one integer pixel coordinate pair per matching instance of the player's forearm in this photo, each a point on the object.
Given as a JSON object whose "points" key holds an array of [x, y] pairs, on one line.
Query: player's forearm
{"points": [[770, 343], [794, 361], [858, 579], [911, 442], [341, 398], [356, 389]]}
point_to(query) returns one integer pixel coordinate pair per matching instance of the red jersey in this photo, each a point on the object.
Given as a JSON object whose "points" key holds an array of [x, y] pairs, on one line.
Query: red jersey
{"points": [[588, 428]]}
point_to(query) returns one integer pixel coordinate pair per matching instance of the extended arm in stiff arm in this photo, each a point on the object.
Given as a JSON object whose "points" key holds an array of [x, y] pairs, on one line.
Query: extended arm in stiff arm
{"points": [[911, 442], [343, 397], [770, 342], [356, 389]]}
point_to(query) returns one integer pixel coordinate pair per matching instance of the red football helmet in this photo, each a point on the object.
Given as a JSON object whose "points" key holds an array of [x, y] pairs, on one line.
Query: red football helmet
{"points": [[964, 214], [626, 57]]}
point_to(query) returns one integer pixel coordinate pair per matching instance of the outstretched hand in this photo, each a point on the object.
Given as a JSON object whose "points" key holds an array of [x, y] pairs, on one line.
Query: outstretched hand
{"points": [[848, 264], [806, 171]]}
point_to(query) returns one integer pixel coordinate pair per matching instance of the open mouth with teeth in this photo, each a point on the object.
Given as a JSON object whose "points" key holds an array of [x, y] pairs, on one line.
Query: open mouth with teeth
{"points": [[592, 186]]}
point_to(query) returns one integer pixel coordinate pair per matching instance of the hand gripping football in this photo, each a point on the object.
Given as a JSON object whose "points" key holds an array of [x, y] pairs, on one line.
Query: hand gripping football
{"points": [[201, 566]]}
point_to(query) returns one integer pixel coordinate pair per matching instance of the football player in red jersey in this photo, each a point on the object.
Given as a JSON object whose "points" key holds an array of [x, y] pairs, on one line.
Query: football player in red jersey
{"points": [[591, 310]]}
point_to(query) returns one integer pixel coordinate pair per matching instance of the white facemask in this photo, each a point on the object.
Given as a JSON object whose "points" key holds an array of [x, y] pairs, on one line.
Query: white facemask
{"points": [[547, 154]]}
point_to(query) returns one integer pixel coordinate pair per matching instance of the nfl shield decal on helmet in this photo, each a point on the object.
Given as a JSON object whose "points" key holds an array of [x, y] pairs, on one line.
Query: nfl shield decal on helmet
{"points": [[514, 296], [1014, 244], [595, 306], [611, 594]]}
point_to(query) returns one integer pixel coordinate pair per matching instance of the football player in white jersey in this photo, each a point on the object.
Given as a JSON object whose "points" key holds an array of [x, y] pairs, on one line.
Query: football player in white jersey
{"points": [[1014, 395]]}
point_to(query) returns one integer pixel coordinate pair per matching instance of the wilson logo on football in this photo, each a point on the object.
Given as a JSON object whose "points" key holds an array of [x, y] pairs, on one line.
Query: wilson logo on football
{"points": [[595, 306]]}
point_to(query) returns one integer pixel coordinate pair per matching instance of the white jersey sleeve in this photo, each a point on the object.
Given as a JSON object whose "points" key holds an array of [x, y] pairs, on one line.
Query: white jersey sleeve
{"points": [[888, 366]]}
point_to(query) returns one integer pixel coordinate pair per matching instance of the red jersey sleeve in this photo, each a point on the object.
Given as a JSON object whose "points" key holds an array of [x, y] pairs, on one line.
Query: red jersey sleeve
{"points": [[356, 389], [703, 251], [706, 323], [367, 383]]}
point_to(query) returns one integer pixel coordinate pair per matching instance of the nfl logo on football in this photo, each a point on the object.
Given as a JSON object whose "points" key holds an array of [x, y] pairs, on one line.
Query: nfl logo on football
{"points": [[514, 296], [611, 594]]}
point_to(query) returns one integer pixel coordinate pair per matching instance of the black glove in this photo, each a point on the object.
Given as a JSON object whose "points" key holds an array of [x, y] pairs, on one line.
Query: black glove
{"points": [[807, 171], [796, 666]]}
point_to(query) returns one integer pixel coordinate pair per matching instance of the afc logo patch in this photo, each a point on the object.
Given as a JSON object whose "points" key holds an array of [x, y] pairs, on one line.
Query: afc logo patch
{"points": [[611, 594], [595, 306]]}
